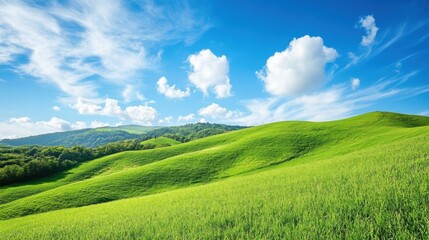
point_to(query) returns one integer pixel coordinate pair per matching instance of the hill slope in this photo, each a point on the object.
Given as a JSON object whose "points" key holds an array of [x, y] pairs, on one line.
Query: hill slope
{"points": [[101, 136], [85, 137], [364, 177], [160, 142]]}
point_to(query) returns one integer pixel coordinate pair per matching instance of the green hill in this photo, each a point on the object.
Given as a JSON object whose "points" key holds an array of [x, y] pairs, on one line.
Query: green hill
{"points": [[160, 142], [104, 135], [363, 177], [134, 129], [85, 137]]}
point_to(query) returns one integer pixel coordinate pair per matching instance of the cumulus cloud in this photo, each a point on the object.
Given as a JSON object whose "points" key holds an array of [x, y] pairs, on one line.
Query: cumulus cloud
{"points": [[368, 23], [141, 114], [24, 126], [166, 120], [130, 94], [69, 42], [79, 125], [210, 72], [186, 118], [171, 91], [56, 108], [298, 69], [355, 83], [214, 111]]}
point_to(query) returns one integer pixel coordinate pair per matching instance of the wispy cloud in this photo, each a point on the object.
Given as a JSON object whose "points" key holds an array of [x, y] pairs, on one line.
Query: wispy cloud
{"points": [[335, 103], [74, 44], [389, 37]]}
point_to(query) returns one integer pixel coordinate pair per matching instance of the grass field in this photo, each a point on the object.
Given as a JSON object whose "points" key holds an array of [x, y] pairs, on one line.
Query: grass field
{"points": [[363, 177], [160, 142]]}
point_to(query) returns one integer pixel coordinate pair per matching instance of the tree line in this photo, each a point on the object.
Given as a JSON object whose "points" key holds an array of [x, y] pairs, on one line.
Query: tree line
{"points": [[24, 163], [29, 162]]}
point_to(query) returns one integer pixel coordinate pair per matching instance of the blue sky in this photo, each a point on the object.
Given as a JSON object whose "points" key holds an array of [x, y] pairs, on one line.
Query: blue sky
{"points": [[75, 64]]}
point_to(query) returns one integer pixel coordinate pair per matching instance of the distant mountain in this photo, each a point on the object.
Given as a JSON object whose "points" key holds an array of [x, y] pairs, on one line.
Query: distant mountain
{"points": [[101, 136], [85, 137], [190, 132]]}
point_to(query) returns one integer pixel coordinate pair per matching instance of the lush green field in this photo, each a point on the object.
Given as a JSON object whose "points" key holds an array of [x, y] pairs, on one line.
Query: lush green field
{"points": [[363, 177], [160, 142]]}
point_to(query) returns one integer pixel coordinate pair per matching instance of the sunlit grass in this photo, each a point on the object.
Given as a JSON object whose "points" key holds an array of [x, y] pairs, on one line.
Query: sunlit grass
{"points": [[364, 177], [380, 192]]}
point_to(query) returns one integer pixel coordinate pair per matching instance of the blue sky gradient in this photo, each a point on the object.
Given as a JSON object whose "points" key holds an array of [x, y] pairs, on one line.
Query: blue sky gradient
{"points": [[75, 64]]}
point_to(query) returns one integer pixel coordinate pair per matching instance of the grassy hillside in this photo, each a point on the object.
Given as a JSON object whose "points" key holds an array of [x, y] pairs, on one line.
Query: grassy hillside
{"points": [[160, 142], [363, 177]]}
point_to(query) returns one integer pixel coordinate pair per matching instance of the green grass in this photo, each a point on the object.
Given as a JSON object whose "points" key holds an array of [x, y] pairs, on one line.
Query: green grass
{"points": [[160, 142], [363, 177]]}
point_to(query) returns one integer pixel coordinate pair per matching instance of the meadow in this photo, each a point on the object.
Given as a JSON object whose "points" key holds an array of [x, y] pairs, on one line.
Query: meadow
{"points": [[364, 177]]}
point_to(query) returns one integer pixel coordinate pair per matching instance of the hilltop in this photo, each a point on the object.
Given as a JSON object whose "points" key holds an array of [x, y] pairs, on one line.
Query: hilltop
{"points": [[362, 177], [100, 136], [91, 137]]}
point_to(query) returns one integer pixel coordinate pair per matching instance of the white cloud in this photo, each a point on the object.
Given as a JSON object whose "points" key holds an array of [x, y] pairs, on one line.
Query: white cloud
{"points": [[355, 83], [58, 123], [202, 120], [141, 114], [130, 94], [79, 125], [166, 120], [171, 91], [56, 108], [334, 103], [111, 107], [20, 120], [87, 106], [214, 111], [368, 23], [186, 118], [24, 126], [69, 42], [210, 72], [298, 69], [97, 124], [8, 51], [353, 58]]}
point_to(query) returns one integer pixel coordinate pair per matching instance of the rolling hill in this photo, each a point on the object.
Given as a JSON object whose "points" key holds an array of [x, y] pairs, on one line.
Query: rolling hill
{"points": [[362, 177], [85, 137], [160, 142], [104, 135]]}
